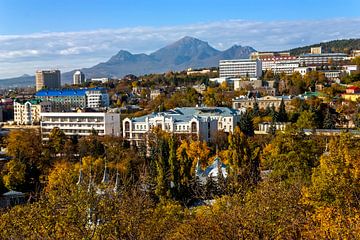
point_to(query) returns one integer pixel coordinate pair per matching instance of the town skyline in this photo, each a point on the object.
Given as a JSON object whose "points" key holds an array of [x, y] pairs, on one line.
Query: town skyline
{"points": [[67, 38]]}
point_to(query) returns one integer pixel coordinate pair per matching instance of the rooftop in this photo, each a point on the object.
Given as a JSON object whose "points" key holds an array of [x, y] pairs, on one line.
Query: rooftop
{"points": [[187, 113], [66, 92]]}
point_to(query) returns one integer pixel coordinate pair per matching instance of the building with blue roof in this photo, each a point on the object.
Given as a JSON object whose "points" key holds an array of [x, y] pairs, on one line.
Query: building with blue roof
{"points": [[67, 99], [201, 122]]}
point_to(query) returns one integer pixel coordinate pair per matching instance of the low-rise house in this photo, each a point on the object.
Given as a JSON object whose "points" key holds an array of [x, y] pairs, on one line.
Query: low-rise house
{"points": [[266, 127], [352, 94], [263, 102]]}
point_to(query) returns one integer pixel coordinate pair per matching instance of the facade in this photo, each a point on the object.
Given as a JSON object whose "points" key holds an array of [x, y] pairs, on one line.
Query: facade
{"points": [[50, 79], [266, 127], [321, 59], [81, 123], [304, 70], [265, 55], [28, 112], [103, 80], [280, 64], [352, 94], [350, 69], [202, 122], [263, 102], [240, 68], [78, 77], [332, 74], [67, 99], [241, 84]]}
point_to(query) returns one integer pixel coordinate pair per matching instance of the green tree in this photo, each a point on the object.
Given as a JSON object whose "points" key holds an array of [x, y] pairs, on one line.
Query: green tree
{"points": [[173, 167], [329, 122], [243, 160], [246, 124], [162, 168], [306, 120], [57, 140], [282, 114]]}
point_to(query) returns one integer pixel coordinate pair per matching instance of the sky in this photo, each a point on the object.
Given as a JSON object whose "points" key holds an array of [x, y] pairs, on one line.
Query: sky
{"points": [[71, 34]]}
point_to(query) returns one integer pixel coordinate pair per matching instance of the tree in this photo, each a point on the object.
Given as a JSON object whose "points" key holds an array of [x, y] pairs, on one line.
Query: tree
{"points": [[329, 122], [57, 140], [246, 124], [243, 161], [290, 157], [334, 192], [306, 120], [273, 113], [162, 167], [255, 111], [15, 175], [336, 181], [173, 167], [282, 115]]}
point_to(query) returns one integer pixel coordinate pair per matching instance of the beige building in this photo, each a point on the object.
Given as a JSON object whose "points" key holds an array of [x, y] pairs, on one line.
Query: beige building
{"points": [[28, 112], [50, 79], [263, 102]]}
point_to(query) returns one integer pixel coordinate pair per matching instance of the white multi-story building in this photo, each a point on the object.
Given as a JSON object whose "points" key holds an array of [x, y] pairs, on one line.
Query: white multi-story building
{"points": [[280, 64], [240, 68], [67, 99], [81, 123], [321, 59], [202, 122], [28, 112], [97, 98], [78, 77]]}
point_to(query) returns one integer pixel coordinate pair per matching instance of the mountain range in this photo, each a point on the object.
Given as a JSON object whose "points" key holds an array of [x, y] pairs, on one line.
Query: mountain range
{"points": [[185, 53]]}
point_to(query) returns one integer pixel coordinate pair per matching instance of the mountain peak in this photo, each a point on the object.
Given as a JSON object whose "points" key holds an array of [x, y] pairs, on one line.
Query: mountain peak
{"points": [[121, 56], [189, 41]]}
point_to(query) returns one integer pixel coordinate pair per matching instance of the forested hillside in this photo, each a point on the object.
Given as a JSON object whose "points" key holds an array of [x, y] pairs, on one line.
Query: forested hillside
{"points": [[344, 45]]}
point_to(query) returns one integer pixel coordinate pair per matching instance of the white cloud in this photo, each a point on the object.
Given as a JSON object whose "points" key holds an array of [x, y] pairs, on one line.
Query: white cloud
{"points": [[69, 50]]}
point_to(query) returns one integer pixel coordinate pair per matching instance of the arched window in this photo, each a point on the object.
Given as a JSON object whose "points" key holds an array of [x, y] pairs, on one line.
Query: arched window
{"points": [[193, 127], [127, 126]]}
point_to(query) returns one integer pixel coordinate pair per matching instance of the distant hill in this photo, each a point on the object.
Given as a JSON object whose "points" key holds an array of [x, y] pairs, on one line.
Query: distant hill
{"points": [[22, 81], [187, 52], [345, 46]]}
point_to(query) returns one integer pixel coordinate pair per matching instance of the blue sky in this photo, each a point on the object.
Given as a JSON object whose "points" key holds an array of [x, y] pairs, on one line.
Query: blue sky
{"points": [[69, 34]]}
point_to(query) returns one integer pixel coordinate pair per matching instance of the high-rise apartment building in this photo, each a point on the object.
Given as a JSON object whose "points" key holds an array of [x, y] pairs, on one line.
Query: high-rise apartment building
{"points": [[47, 79], [78, 77]]}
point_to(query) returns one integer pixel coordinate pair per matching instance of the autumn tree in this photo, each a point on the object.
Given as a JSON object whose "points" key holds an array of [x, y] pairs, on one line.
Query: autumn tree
{"points": [[306, 120], [243, 160], [56, 141], [335, 191]]}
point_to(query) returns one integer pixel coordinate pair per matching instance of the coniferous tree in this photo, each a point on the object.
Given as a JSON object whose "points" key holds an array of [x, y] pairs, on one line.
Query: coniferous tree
{"points": [[246, 124], [244, 162], [273, 114], [162, 183], [329, 122], [267, 111], [282, 115], [255, 111], [173, 167]]}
